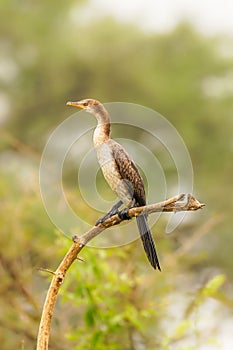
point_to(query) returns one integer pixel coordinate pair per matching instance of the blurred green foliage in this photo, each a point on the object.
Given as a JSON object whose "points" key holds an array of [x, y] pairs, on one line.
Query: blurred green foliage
{"points": [[113, 300]]}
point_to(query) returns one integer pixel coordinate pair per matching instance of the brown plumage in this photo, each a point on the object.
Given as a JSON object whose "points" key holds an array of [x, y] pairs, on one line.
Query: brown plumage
{"points": [[120, 172]]}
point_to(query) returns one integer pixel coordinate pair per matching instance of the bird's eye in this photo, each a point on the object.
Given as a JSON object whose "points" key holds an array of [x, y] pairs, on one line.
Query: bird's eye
{"points": [[85, 104]]}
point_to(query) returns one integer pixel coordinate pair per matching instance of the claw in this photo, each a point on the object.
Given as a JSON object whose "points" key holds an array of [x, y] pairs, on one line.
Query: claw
{"points": [[101, 220], [123, 214], [112, 212]]}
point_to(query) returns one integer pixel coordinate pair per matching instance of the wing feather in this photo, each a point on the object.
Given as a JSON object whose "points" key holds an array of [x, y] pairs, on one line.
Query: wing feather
{"points": [[128, 171]]}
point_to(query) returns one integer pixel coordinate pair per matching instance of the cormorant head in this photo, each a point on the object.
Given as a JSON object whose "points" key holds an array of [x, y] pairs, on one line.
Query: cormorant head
{"points": [[90, 105]]}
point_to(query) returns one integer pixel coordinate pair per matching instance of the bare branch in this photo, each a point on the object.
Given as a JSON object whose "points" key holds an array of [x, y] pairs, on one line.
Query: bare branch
{"points": [[170, 205], [174, 204]]}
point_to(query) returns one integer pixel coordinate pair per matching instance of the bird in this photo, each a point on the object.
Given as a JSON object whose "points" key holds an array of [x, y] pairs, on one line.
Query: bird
{"points": [[121, 173]]}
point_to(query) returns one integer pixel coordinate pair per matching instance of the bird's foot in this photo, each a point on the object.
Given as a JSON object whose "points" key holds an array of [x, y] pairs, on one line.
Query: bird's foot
{"points": [[105, 217], [123, 214], [112, 211]]}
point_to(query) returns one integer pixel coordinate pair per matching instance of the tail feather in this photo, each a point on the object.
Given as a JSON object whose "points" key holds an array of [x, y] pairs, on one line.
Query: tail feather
{"points": [[147, 241]]}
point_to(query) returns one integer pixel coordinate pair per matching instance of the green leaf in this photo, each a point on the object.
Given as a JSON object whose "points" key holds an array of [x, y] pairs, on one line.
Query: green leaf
{"points": [[90, 315], [213, 285], [182, 329]]}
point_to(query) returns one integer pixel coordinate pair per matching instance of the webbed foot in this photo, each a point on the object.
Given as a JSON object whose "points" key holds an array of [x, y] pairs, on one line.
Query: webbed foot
{"points": [[113, 211], [105, 217], [123, 214]]}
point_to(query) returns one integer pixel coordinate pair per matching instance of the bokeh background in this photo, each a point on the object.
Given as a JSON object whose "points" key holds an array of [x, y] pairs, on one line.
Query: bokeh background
{"points": [[174, 57]]}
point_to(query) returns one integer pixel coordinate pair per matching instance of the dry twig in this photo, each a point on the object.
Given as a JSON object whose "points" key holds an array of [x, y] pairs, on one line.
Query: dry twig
{"points": [[174, 204]]}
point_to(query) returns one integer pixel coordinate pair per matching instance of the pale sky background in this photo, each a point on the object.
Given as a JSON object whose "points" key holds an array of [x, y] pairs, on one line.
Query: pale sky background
{"points": [[209, 16]]}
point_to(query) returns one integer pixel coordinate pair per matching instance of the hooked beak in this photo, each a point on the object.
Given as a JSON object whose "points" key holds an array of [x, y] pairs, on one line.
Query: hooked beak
{"points": [[75, 104]]}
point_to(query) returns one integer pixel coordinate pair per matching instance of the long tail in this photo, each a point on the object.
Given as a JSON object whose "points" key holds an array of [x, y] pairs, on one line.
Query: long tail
{"points": [[147, 241]]}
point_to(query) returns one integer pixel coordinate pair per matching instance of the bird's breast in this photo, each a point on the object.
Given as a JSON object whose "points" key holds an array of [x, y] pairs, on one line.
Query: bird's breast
{"points": [[108, 165]]}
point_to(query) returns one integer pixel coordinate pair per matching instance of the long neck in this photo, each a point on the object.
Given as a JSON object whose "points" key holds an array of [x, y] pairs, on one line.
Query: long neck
{"points": [[102, 131]]}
